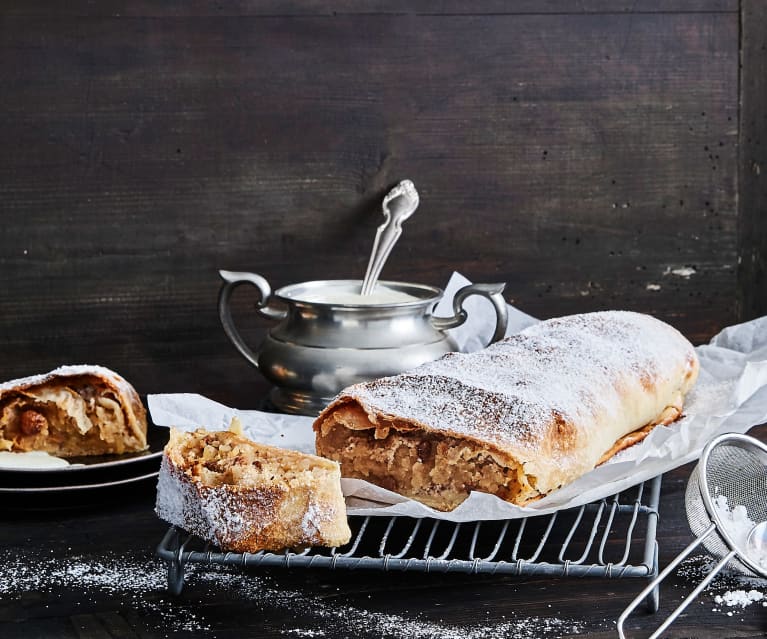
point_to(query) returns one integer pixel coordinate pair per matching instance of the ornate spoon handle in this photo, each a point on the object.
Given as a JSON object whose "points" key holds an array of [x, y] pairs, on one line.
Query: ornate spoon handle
{"points": [[398, 205]]}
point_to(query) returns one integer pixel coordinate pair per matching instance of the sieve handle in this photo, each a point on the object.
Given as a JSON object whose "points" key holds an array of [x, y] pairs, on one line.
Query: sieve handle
{"points": [[666, 571]]}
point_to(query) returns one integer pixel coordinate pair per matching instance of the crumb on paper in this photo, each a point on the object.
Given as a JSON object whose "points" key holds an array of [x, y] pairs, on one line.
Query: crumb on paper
{"points": [[235, 426]]}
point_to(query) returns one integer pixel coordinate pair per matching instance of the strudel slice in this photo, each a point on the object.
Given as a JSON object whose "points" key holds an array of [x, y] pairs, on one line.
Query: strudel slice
{"points": [[71, 411], [519, 419], [247, 497]]}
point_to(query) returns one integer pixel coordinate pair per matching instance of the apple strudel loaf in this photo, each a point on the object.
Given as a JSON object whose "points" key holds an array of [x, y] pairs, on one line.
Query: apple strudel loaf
{"points": [[72, 411], [519, 419], [247, 497]]}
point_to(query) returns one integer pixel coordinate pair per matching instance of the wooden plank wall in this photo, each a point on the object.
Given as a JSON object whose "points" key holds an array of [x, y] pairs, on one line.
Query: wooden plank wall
{"points": [[752, 195], [584, 152]]}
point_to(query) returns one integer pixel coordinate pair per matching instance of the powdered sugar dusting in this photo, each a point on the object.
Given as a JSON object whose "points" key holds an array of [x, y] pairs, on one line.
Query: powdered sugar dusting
{"points": [[140, 584], [730, 592], [512, 393], [740, 598], [207, 512], [310, 523], [353, 620], [70, 370], [520, 628]]}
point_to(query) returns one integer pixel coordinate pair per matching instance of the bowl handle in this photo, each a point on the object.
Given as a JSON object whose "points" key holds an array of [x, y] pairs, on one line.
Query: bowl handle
{"points": [[489, 291], [232, 279]]}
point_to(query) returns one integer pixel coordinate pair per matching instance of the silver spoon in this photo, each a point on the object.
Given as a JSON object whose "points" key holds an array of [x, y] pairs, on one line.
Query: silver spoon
{"points": [[398, 205]]}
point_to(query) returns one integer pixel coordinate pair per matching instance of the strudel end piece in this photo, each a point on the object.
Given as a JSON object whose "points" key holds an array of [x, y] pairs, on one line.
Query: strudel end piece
{"points": [[247, 497], [72, 411]]}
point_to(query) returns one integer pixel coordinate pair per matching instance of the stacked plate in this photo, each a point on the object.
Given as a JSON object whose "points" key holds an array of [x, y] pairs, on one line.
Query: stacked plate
{"points": [[87, 479]]}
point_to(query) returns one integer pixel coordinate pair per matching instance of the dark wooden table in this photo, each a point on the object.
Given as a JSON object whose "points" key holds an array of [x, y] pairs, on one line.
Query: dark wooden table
{"points": [[91, 572]]}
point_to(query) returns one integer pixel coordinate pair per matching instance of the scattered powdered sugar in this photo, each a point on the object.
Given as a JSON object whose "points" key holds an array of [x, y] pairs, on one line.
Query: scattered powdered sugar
{"points": [[352, 620], [709, 397], [112, 573], [730, 591], [70, 370], [740, 598], [398, 627], [140, 583]]}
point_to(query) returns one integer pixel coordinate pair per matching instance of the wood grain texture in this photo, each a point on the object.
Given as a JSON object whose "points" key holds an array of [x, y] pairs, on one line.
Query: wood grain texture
{"points": [[588, 159], [265, 603], [145, 8], [752, 201]]}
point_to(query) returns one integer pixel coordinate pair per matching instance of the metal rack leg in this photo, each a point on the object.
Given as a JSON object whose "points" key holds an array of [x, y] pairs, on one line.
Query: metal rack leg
{"points": [[652, 602], [176, 565], [175, 577]]}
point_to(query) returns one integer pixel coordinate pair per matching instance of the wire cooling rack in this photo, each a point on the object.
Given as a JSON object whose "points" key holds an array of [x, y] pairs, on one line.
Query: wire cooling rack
{"points": [[613, 537]]}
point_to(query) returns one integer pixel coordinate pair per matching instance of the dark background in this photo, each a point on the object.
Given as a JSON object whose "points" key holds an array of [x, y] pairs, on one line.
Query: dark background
{"points": [[580, 151]]}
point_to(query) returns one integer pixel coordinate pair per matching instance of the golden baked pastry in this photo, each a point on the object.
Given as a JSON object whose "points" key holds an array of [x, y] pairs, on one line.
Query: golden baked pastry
{"points": [[72, 411], [519, 419], [248, 497]]}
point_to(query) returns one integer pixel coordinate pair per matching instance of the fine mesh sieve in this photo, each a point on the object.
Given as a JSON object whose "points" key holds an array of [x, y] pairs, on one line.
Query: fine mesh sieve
{"points": [[726, 503], [730, 490]]}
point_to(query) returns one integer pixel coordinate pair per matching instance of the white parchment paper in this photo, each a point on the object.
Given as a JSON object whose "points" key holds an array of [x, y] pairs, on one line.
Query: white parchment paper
{"points": [[730, 396]]}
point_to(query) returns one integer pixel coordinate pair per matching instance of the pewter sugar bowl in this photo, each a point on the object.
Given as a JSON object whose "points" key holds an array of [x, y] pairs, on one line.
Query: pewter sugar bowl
{"points": [[327, 336]]}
